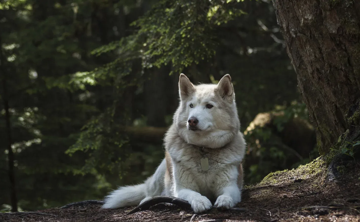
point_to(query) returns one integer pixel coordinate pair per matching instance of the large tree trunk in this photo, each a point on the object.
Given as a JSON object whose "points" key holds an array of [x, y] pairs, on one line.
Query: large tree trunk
{"points": [[323, 43]]}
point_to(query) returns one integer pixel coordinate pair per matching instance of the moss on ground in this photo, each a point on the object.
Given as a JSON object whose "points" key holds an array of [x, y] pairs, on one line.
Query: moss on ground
{"points": [[303, 172]]}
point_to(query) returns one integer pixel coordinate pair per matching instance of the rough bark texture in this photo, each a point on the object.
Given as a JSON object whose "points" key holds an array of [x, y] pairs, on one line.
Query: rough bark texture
{"points": [[323, 43]]}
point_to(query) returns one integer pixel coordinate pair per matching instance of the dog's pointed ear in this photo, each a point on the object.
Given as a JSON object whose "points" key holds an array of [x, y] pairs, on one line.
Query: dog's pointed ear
{"points": [[225, 88], [186, 88]]}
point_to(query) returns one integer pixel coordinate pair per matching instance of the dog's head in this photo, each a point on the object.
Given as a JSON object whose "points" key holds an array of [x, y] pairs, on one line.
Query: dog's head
{"points": [[207, 112]]}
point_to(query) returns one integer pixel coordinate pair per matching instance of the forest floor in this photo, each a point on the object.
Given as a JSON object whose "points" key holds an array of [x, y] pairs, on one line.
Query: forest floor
{"points": [[308, 193]]}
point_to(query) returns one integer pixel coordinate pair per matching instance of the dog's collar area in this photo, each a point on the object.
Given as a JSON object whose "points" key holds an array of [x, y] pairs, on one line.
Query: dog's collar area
{"points": [[204, 161], [206, 150], [203, 150]]}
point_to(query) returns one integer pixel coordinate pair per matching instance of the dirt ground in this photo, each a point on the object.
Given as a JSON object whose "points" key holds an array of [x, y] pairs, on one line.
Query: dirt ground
{"points": [[308, 193]]}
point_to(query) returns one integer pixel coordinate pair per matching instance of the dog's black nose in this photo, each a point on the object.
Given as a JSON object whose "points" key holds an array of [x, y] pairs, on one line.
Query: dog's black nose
{"points": [[193, 121]]}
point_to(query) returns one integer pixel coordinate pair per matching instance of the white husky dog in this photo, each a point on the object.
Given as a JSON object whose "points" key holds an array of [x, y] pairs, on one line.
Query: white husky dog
{"points": [[204, 151]]}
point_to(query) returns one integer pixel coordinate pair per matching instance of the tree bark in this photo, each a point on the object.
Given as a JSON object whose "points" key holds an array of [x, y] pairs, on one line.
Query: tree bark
{"points": [[323, 43], [145, 134]]}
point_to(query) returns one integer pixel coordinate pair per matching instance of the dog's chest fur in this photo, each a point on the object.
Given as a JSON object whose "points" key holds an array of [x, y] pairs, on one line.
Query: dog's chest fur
{"points": [[223, 164], [190, 156]]}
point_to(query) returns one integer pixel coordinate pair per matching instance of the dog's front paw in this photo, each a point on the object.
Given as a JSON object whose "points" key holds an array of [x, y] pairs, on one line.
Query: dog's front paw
{"points": [[200, 204], [224, 201]]}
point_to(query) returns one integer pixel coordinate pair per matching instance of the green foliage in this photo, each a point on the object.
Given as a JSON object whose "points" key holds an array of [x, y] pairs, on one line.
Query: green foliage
{"points": [[343, 146], [295, 110], [105, 146], [55, 87], [79, 71], [179, 33], [268, 146], [349, 148], [348, 143]]}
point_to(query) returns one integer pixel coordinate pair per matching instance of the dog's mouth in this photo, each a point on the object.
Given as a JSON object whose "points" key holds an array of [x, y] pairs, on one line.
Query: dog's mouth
{"points": [[194, 128]]}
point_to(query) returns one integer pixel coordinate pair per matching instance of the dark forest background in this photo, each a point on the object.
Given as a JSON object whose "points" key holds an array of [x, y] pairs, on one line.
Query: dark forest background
{"points": [[88, 88]]}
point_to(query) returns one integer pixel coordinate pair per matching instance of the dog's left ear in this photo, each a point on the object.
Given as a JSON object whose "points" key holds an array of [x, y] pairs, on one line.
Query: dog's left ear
{"points": [[225, 88]]}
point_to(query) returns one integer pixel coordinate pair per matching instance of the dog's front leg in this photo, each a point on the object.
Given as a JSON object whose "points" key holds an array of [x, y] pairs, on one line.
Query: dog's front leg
{"points": [[228, 196], [198, 202], [185, 186]]}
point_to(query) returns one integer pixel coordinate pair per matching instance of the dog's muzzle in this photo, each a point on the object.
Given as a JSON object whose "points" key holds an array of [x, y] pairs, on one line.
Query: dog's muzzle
{"points": [[193, 121]]}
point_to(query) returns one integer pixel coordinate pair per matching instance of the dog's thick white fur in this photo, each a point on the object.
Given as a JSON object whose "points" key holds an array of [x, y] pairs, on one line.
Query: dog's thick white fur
{"points": [[204, 151]]}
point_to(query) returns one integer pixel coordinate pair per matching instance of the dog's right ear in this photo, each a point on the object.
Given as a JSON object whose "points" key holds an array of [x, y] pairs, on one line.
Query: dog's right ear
{"points": [[225, 88], [186, 88]]}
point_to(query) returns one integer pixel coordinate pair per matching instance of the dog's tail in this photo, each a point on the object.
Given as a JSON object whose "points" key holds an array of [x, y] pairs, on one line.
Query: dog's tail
{"points": [[133, 195], [125, 196]]}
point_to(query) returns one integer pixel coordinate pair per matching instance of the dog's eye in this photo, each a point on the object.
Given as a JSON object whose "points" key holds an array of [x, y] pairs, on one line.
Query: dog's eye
{"points": [[209, 106], [191, 105]]}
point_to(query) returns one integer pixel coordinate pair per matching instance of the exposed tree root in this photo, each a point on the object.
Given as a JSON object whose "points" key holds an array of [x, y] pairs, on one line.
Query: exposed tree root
{"points": [[156, 200], [177, 201]]}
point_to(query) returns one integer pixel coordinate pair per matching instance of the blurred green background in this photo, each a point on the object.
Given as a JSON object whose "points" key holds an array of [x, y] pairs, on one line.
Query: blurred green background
{"points": [[92, 85]]}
